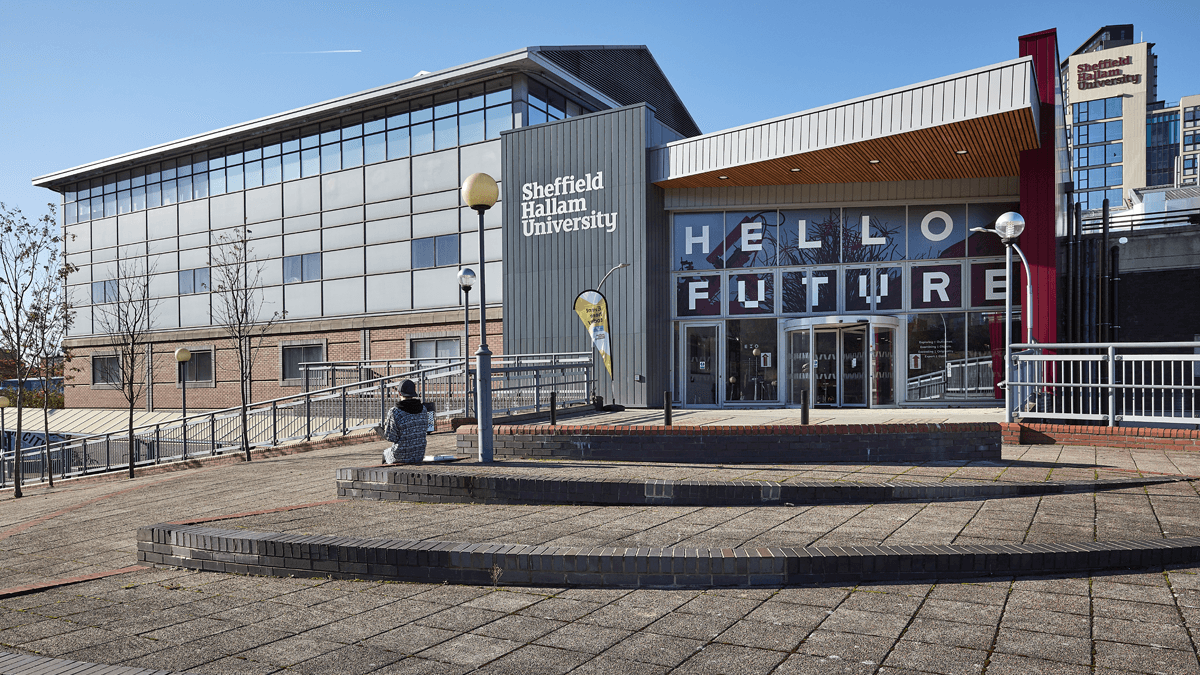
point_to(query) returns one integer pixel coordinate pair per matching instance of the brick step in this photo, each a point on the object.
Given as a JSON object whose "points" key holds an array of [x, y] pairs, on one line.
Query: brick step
{"points": [[460, 486], [278, 554]]}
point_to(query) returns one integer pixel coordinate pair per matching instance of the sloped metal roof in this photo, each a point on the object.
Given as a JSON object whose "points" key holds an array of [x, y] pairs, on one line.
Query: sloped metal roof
{"points": [[911, 133]]}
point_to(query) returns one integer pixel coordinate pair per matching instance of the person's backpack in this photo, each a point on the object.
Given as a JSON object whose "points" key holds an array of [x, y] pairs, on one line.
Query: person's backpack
{"points": [[391, 431]]}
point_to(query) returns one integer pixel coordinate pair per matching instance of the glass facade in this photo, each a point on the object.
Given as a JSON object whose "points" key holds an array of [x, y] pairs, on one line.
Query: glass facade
{"points": [[1097, 139], [743, 278], [356, 214], [1162, 147]]}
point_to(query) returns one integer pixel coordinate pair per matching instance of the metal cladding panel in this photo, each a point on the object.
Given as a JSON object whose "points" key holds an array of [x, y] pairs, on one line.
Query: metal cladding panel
{"points": [[965, 96], [550, 258], [629, 75]]}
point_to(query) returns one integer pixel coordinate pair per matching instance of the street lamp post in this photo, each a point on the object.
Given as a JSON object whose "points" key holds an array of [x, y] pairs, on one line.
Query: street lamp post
{"points": [[1009, 227], [466, 280], [605, 277], [4, 442], [480, 192], [182, 356]]}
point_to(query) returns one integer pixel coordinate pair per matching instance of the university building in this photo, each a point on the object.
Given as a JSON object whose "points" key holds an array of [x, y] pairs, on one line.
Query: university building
{"points": [[829, 253]]}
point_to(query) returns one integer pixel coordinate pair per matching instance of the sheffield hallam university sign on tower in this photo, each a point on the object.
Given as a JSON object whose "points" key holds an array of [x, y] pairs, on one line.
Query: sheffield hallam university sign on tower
{"points": [[576, 204]]}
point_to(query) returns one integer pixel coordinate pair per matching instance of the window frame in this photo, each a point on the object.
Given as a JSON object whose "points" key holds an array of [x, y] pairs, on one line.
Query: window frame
{"points": [[307, 342], [105, 384], [210, 383]]}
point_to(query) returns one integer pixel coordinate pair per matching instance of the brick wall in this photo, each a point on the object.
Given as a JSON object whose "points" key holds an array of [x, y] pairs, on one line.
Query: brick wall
{"points": [[388, 342], [745, 444], [1020, 433]]}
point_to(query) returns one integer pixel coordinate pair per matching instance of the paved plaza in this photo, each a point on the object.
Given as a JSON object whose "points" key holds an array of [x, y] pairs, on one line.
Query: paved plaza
{"points": [[1141, 621]]}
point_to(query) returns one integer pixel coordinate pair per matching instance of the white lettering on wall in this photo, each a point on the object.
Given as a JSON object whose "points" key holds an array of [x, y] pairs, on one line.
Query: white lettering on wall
{"points": [[542, 212], [804, 242], [947, 225], [762, 292], [935, 282], [751, 236], [814, 289], [691, 239], [697, 290], [883, 287], [994, 283], [867, 239]]}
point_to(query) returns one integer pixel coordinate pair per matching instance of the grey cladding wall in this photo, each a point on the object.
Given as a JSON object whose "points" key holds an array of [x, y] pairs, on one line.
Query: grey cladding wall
{"points": [[559, 241]]}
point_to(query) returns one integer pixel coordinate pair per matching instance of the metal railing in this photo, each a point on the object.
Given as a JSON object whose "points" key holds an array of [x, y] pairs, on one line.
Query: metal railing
{"points": [[1142, 382], [307, 415], [333, 373], [961, 379]]}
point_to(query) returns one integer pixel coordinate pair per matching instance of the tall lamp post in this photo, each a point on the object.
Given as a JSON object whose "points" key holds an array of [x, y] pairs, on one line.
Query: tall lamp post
{"points": [[182, 356], [466, 280], [480, 192], [1009, 227], [4, 443]]}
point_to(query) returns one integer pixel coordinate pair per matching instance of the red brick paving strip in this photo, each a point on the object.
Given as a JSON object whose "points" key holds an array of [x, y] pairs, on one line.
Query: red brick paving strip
{"points": [[54, 583]]}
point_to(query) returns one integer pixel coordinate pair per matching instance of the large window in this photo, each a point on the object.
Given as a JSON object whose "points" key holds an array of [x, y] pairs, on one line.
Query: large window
{"points": [[434, 352], [199, 368], [298, 268], [106, 370], [104, 291], [1092, 111], [293, 355], [457, 117], [435, 251], [193, 281]]}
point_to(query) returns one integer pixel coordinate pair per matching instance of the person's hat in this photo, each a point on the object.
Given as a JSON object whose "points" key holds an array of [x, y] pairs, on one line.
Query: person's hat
{"points": [[407, 388]]}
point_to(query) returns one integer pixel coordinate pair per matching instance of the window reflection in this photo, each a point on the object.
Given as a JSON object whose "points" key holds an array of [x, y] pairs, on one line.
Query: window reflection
{"points": [[467, 115]]}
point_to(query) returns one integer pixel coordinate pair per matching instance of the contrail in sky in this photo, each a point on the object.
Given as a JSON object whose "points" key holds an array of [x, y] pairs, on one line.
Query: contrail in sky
{"points": [[330, 51]]}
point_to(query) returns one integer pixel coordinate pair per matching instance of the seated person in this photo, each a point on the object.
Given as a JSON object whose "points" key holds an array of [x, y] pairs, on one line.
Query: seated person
{"points": [[406, 425]]}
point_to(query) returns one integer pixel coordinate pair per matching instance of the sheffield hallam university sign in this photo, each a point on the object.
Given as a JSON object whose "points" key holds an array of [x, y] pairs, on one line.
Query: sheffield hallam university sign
{"points": [[561, 206]]}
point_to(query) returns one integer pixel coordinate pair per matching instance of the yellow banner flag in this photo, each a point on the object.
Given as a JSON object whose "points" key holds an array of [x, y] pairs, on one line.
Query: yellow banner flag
{"points": [[592, 309]]}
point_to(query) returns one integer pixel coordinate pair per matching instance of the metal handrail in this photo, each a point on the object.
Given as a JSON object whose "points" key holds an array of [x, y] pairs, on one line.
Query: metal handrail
{"points": [[1102, 384], [330, 410]]}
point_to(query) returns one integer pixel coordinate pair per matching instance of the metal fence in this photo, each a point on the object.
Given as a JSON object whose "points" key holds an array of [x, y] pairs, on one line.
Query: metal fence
{"points": [[960, 379], [1142, 382], [519, 384]]}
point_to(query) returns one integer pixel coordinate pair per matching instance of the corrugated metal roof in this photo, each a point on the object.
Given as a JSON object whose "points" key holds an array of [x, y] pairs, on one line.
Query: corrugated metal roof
{"points": [[86, 421], [1004, 95]]}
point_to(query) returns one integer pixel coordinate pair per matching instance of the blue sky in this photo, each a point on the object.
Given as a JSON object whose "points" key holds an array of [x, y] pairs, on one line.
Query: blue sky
{"points": [[83, 81]]}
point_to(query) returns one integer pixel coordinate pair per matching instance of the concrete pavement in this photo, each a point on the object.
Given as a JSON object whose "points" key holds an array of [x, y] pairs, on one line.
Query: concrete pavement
{"points": [[1143, 621]]}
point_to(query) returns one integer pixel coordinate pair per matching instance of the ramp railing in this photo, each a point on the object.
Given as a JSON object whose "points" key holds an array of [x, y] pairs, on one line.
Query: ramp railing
{"points": [[304, 416]]}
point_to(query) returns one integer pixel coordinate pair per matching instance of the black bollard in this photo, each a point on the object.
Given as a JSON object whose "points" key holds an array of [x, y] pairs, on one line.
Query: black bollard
{"points": [[667, 408], [553, 408], [804, 407]]}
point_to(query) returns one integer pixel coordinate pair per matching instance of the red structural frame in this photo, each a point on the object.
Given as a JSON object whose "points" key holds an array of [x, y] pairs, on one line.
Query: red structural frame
{"points": [[1038, 200]]}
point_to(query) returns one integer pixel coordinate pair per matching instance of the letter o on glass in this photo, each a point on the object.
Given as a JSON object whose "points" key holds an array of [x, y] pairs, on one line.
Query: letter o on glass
{"points": [[947, 225]]}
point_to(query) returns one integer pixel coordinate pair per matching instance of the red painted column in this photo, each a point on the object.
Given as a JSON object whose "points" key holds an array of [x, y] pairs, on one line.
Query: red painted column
{"points": [[1038, 201]]}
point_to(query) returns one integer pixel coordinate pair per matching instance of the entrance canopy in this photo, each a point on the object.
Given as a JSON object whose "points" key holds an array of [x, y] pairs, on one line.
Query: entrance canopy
{"points": [[969, 125]]}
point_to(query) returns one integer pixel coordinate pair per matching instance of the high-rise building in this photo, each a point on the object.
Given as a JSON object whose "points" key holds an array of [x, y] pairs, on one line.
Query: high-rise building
{"points": [[1111, 87]]}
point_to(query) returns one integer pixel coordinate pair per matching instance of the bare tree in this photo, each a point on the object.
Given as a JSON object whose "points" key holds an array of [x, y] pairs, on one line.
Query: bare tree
{"points": [[30, 258], [124, 314], [240, 310], [51, 316]]}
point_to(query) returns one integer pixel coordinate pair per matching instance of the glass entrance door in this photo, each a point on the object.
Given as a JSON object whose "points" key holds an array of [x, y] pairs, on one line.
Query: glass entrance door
{"points": [[854, 366], [842, 361], [825, 366], [700, 365]]}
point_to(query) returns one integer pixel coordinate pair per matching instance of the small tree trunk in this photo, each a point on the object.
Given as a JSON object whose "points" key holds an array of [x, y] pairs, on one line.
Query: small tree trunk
{"points": [[17, 468], [46, 426], [131, 400]]}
